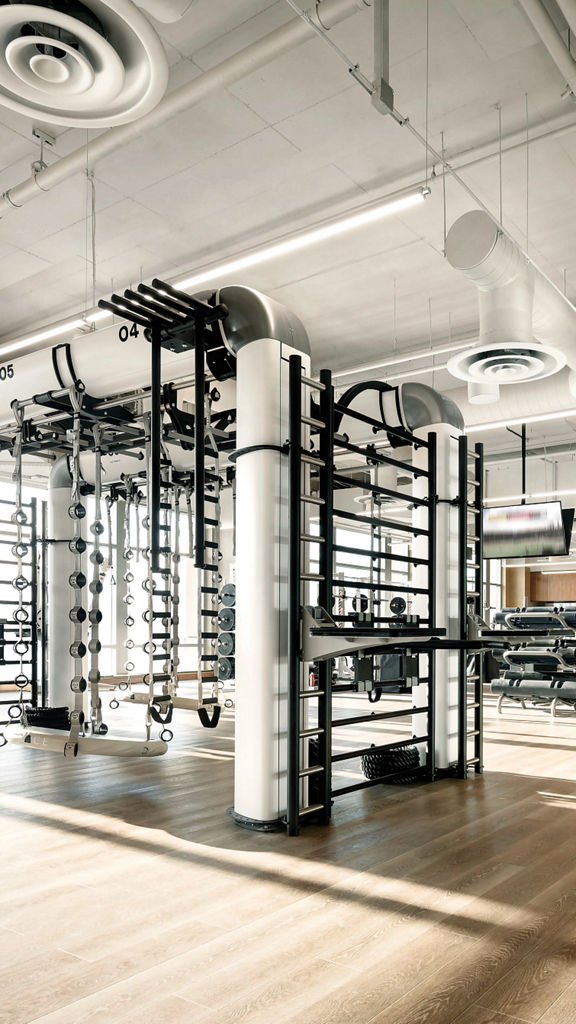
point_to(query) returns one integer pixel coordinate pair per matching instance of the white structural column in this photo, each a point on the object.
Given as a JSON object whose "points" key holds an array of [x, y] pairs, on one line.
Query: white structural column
{"points": [[446, 583], [261, 583]]}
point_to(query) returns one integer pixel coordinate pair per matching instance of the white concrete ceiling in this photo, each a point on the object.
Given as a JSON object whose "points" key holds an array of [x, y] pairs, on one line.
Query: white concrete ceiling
{"points": [[295, 142]]}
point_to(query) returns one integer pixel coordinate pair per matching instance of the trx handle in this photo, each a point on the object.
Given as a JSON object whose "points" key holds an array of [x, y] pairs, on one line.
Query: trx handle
{"points": [[160, 716], [207, 721]]}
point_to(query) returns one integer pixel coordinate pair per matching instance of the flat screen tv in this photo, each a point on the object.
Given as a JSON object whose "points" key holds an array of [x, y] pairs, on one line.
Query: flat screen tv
{"points": [[527, 531]]}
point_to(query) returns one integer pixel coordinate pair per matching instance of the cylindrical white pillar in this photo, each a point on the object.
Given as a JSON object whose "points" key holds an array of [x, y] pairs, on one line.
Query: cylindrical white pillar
{"points": [[261, 584], [446, 581]]}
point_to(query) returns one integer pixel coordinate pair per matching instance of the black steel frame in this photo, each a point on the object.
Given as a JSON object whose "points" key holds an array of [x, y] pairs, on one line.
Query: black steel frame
{"points": [[323, 428], [10, 626], [470, 684]]}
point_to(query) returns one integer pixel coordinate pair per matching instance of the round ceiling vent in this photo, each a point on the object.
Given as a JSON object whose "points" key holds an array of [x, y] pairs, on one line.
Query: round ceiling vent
{"points": [[82, 65], [509, 363]]}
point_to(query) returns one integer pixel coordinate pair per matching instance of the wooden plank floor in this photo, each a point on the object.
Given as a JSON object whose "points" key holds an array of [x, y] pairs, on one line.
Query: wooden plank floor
{"points": [[128, 896]]}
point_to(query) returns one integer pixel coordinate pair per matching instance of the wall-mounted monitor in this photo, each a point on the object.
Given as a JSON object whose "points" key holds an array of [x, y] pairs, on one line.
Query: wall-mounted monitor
{"points": [[527, 531]]}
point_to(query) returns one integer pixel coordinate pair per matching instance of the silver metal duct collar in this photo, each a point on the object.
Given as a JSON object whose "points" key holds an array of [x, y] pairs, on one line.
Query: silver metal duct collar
{"points": [[253, 315], [422, 406]]}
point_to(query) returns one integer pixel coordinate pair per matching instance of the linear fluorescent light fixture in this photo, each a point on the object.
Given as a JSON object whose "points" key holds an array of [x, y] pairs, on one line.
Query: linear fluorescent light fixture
{"points": [[537, 495], [304, 239], [366, 214], [558, 572], [544, 418]]}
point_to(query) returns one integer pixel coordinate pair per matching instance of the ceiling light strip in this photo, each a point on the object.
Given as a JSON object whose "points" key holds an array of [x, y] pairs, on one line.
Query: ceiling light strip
{"points": [[323, 231], [501, 424]]}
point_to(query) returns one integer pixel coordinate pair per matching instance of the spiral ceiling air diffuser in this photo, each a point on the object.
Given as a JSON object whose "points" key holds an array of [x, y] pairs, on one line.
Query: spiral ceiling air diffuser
{"points": [[85, 65]]}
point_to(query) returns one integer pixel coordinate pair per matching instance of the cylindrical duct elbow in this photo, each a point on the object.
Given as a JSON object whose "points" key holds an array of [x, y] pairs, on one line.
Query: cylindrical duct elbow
{"points": [[476, 246], [526, 326]]}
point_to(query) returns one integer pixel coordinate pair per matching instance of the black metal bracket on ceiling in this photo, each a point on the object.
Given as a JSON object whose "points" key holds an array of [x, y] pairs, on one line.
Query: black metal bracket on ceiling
{"points": [[176, 321]]}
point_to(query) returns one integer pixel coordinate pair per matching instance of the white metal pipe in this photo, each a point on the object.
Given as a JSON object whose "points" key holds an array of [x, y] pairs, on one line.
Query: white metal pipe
{"points": [[546, 29], [568, 9], [216, 79]]}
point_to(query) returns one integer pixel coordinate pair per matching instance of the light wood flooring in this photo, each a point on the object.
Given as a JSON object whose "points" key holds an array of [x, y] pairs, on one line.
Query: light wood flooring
{"points": [[128, 896]]}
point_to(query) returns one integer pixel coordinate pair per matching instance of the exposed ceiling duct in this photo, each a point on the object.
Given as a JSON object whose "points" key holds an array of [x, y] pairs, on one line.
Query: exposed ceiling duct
{"points": [[535, 399], [230, 70], [83, 65], [548, 33], [527, 327]]}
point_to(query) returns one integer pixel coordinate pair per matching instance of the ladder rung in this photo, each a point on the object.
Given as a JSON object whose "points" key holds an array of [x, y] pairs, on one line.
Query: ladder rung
{"points": [[211, 522], [311, 422], [311, 576], [208, 590], [211, 612], [476, 705], [209, 636], [473, 482], [475, 539], [472, 593], [313, 383], [314, 770], [473, 760], [208, 657], [161, 657], [473, 732], [310, 500], [161, 677], [310, 732], [311, 693], [210, 544], [472, 565], [312, 460], [311, 538], [472, 679], [161, 636], [211, 499], [164, 526], [311, 809]]}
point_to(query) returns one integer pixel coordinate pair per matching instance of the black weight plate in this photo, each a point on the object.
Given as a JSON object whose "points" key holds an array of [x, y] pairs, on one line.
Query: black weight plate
{"points": [[226, 644], [228, 595], [227, 619]]}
